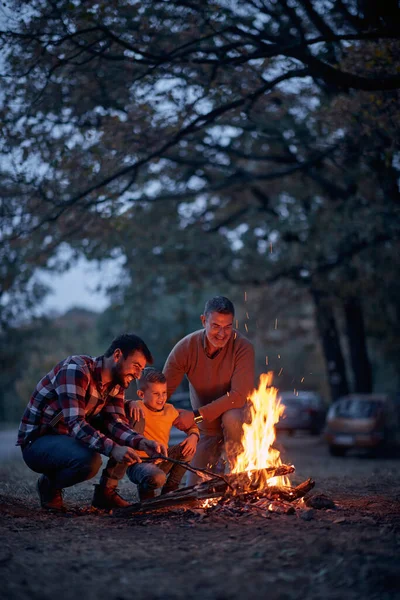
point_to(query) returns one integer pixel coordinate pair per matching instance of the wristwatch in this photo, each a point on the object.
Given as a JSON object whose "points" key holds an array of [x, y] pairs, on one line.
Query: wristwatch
{"points": [[198, 418]]}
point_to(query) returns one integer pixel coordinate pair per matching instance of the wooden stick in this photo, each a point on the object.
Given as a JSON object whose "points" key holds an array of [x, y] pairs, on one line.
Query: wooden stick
{"points": [[186, 466]]}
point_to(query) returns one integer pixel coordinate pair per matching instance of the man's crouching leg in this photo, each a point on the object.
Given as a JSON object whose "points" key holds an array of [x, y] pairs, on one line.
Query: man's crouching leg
{"points": [[106, 496], [232, 427], [63, 461], [148, 477], [207, 454]]}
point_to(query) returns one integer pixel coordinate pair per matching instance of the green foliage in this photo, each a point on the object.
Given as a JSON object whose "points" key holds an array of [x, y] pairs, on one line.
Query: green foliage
{"points": [[210, 144], [30, 351]]}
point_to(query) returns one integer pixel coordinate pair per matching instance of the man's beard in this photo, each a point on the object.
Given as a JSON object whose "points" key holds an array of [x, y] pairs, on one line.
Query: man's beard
{"points": [[215, 343], [117, 377]]}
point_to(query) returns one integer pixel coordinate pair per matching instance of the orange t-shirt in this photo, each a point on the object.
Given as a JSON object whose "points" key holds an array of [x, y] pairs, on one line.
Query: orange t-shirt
{"points": [[158, 424]]}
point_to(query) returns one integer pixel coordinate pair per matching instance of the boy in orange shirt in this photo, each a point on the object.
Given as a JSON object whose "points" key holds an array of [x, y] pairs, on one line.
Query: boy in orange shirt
{"points": [[154, 419]]}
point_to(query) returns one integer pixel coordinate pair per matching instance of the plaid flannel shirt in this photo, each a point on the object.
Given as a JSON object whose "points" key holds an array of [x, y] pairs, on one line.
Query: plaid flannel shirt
{"points": [[68, 397]]}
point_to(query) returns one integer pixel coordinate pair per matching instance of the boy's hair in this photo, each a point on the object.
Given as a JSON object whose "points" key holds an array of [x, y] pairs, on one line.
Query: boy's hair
{"points": [[128, 343], [150, 375], [219, 304]]}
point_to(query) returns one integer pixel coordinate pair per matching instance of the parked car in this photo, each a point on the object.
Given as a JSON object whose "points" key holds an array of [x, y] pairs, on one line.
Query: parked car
{"points": [[304, 411], [360, 421]]}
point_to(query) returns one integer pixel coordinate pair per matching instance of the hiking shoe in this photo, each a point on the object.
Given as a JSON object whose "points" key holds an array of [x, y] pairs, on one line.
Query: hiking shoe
{"points": [[50, 498], [107, 498]]}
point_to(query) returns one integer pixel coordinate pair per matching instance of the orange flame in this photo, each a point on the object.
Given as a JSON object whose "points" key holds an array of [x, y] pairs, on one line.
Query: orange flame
{"points": [[259, 435]]}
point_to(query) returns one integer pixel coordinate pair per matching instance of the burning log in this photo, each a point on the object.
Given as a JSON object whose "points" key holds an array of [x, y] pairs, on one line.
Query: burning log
{"points": [[270, 496], [286, 493], [232, 484], [289, 494], [253, 480]]}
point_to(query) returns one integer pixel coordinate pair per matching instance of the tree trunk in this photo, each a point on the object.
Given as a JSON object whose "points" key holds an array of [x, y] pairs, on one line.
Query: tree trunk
{"points": [[328, 332], [361, 366]]}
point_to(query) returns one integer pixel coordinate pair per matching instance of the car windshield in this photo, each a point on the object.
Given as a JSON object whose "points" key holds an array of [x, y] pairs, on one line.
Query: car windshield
{"points": [[357, 409]]}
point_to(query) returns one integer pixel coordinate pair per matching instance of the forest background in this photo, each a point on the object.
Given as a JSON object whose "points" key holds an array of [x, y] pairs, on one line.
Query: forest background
{"points": [[249, 149]]}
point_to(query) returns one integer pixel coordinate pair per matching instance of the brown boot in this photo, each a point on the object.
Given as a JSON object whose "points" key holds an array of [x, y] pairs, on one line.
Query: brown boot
{"points": [[107, 498], [50, 498]]}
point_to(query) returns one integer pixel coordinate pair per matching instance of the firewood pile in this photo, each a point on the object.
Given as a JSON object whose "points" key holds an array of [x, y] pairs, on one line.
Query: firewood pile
{"points": [[231, 494]]}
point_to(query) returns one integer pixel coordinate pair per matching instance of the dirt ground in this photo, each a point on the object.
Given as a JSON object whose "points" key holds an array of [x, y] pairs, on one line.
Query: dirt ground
{"points": [[351, 552]]}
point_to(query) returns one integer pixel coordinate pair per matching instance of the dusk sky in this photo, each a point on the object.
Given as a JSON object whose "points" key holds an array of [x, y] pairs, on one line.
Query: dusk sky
{"points": [[77, 287]]}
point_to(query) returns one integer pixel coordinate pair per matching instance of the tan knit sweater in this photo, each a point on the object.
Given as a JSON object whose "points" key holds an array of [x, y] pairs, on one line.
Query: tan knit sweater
{"points": [[218, 383]]}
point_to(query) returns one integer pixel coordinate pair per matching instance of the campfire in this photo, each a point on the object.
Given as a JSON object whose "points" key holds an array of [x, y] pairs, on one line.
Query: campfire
{"points": [[258, 454], [258, 479]]}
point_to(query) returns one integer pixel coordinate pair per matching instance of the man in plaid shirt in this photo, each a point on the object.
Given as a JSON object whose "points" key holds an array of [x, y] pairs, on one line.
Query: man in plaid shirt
{"points": [[57, 433]]}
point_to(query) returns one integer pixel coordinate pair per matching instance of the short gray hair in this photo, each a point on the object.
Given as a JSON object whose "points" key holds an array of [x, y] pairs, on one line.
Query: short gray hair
{"points": [[219, 304]]}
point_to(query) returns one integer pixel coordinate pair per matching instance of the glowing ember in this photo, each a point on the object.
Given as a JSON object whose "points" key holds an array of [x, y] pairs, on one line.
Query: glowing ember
{"points": [[259, 435], [209, 502]]}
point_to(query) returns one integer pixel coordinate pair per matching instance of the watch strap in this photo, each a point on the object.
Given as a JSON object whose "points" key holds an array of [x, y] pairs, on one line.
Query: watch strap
{"points": [[198, 418]]}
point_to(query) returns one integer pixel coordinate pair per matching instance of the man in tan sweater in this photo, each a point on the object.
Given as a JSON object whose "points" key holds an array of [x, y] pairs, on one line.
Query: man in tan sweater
{"points": [[219, 364]]}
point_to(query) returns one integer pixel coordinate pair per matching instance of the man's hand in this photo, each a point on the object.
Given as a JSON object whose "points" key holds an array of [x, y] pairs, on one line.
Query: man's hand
{"points": [[134, 410], [189, 445], [185, 419], [151, 448], [124, 454]]}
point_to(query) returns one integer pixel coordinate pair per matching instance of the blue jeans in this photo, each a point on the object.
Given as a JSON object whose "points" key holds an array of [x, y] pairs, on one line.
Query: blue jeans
{"points": [[63, 459], [213, 440], [149, 476]]}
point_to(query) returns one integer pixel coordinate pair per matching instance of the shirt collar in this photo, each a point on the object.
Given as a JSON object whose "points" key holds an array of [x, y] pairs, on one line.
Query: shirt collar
{"points": [[155, 410]]}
